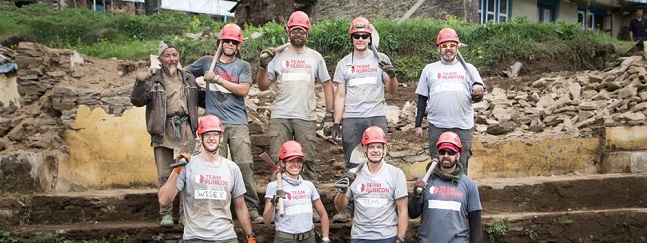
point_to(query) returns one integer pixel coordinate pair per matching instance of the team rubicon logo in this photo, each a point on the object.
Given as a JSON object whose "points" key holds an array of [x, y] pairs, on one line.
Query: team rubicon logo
{"points": [[372, 187], [296, 64], [450, 75], [297, 195], [211, 180], [363, 68]]}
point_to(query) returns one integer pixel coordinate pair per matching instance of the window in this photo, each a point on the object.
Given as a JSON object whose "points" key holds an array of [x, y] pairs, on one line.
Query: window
{"points": [[547, 10], [546, 13], [495, 10], [594, 20]]}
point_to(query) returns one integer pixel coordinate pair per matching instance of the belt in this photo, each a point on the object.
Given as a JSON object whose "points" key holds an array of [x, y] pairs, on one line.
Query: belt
{"points": [[176, 121], [302, 236]]}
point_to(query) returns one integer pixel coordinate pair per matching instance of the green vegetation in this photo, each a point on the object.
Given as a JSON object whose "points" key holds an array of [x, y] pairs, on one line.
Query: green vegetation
{"points": [[496, 229], [411, 45]]}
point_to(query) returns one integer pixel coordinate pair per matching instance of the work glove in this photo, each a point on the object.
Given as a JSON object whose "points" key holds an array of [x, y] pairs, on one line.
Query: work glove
{"points": [[277, 195], [212, 77], [419, 187], [388, 68], [336, 131], [346, 179], [327, 122], [180, 161], [251, 238], [266, 57]]}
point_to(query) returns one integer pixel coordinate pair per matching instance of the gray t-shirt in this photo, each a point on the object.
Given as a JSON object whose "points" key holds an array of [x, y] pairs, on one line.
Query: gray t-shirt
{"points": [[206, 192], [363, 78], [450, 94], [230, 108], [297, 205], [295, 75], [444, 210], [375, 210]]}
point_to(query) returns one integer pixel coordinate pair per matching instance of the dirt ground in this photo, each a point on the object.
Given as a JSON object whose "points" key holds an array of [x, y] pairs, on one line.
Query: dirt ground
{"points": [[118, 76]]}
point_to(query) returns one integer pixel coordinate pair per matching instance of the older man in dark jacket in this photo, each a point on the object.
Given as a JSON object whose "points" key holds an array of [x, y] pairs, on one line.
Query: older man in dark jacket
{"points": [[171, 97]]}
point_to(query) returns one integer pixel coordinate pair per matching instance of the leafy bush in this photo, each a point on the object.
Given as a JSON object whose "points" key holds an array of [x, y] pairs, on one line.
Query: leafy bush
{"points": [[410, 45]]}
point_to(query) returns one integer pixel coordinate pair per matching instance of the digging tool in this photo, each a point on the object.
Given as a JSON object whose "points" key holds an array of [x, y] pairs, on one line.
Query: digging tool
{"points": [[279, 180], [182, 161], [434, 162], [182, 158], [375, 41], [470, 75], [276, 50], [356, 157], [216, 56]]}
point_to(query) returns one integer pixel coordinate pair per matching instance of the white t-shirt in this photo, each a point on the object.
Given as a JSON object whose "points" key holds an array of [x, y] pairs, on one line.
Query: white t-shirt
{"points": [[297, 205], [450, 94], [206, 192], [375, 210], [363, 79], [295, 75]]}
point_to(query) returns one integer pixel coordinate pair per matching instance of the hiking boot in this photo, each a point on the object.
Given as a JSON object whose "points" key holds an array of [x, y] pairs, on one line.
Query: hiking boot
{"points": [[315, 217], [167, 220], [255, 217], [342, 217]]}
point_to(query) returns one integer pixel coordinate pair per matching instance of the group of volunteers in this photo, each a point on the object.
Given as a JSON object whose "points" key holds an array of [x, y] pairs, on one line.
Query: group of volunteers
{"points": [[375, 197]]}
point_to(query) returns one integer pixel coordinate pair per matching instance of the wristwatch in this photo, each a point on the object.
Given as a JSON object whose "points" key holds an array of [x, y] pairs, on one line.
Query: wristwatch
{"points": [[325, 239], [400, 239], [251, 235]]}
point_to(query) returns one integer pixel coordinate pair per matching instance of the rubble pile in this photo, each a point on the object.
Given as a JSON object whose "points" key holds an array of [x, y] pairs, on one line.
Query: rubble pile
{"points": [[575, 104]]}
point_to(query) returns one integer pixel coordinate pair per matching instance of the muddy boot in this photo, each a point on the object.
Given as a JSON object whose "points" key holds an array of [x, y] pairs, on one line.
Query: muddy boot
{"points": [[315, 217], [167, 220], [342, 217], [255, 217]]}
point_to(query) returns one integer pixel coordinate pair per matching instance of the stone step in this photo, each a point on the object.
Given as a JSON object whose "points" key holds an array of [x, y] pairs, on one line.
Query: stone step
{"points": [[610, 225], [531, 194]]}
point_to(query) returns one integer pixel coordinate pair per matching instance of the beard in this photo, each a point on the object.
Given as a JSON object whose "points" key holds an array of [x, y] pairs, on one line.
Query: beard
{"points": [[298, 42], [449, 58]]}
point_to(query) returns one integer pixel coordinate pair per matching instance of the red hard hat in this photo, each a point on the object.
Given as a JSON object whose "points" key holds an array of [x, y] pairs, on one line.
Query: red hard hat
{"points": [[450, 140], [291, 149], [231, 32], [360, 24], [299, 19], [210, 123], [447, 34], [373, 134]]}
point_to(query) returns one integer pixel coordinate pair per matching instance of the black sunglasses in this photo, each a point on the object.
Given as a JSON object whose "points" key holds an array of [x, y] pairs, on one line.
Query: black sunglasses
{"points": [[235, 42], [446, 151], [364, 36]]}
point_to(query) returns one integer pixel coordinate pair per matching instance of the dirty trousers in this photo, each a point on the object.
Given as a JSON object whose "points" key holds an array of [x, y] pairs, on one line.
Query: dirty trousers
{"points": [[163, 160], [236, 142], [302, 131]]}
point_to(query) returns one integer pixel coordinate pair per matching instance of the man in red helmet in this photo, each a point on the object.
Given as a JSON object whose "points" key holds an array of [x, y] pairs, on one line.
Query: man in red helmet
{"points": [[380, 194], [361, 78], [227, 87], [171, 97], [295, 72], [446, 93], [449, 201], [209, 183], [299, 198]]}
